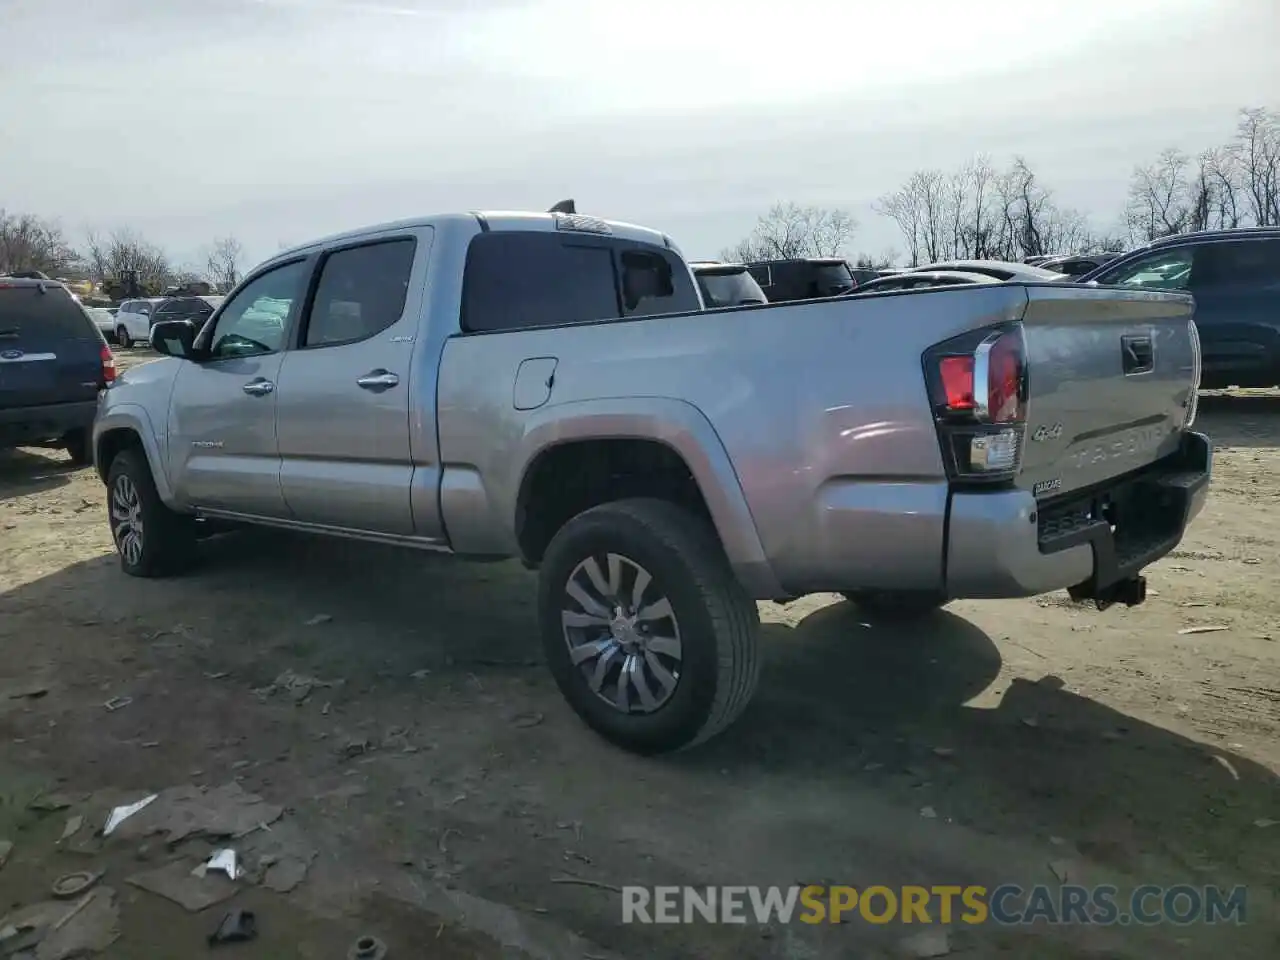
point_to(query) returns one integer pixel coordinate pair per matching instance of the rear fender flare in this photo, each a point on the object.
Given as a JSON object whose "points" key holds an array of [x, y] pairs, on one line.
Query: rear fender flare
{"points": [[687, 431]]}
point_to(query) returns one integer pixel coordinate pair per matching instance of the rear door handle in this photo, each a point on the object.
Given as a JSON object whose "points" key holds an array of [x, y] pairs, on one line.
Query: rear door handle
{"points": [[258, 388], [378, 380]]}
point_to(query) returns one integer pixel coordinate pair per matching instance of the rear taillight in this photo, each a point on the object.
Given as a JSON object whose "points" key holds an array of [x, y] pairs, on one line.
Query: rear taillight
{"points": [[108, 364], [978, 385]]}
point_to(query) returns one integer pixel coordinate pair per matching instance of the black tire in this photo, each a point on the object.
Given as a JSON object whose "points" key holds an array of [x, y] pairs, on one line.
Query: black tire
{"points": [[167, 538], [79, 447], [719, 623], [897, 605], [123, 338]]}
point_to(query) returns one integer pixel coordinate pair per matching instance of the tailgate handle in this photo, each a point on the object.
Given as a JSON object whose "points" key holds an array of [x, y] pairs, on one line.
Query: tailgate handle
{"points": [[1138, 353]]}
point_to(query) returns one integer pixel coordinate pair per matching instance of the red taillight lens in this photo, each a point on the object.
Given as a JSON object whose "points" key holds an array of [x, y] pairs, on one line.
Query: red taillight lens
{"points": [[1005, 362], [956, 376], [108, 364]]}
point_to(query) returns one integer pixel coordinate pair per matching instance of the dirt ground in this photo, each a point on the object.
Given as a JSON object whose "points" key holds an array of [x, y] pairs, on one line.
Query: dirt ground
{"points": [[447, 792]]}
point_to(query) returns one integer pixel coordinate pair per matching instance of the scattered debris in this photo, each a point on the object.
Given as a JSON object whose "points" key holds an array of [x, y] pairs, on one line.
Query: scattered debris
{"points": [[1204, 628], [29, 693], [367, 948], [220, 675], [1226, 765], [318, 619], [944, 752], [1262, 823], [929, 813], [49, 802], [117, 703], [175, 882], [444, 839], [1062, 870], [120, 814], [187, 811], [355, 748], [420, 674], [1190, 603], [284, 875], [927, 943], [1057, 841], [149, 744], [1252, 560], [223, 860], [6, 848], [583, 882], [238, 926], [299, 686], [72, 828], [50, 930], [1111, 734], [1030, 722], [528, 720]]}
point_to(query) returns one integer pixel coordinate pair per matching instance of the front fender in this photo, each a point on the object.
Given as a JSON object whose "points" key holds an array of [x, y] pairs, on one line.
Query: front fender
{"points": [[132, 417], [681, 426]]}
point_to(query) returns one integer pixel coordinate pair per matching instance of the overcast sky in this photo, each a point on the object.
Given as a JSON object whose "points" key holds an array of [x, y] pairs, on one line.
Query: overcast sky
{"points": [[281, 120]]}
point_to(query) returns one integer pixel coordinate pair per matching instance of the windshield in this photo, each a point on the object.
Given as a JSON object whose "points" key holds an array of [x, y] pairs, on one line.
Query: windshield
{"points": [[730, 289], [832, 279]]}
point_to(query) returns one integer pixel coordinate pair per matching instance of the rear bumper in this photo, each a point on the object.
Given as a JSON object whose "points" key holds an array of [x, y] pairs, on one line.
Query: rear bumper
{"points": [[1007, 545], [23, 425]]}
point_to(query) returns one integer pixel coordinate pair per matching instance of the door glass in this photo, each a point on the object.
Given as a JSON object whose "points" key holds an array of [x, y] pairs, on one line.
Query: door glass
{"points": [[362, 291], [255, 320], [1164, 270], [1244, 264]]}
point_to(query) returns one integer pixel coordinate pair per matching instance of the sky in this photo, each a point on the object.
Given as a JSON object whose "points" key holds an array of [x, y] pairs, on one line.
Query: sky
{"points": [[279, 121]]}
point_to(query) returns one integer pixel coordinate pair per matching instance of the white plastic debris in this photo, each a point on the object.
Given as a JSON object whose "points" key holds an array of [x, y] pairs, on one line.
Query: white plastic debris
{"points": [[120, 814], [223, 860]]}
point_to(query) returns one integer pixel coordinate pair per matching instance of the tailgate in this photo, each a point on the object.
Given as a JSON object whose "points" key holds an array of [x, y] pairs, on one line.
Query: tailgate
{"points": [[1112, 379], [50, 351]]}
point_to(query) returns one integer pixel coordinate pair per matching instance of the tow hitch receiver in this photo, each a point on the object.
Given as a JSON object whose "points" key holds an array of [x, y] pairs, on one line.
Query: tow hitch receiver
{"points": [[1131, 592]]}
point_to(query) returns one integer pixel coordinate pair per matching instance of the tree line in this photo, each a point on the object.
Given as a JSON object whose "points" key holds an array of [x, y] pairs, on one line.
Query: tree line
{"points": [[981, 211], [117, 260], [977, 211]]}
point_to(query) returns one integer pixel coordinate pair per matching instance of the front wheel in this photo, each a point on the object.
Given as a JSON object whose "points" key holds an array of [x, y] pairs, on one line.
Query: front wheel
{"points": [[123, 338], [152, 540], [647, 632], [900, 605]]}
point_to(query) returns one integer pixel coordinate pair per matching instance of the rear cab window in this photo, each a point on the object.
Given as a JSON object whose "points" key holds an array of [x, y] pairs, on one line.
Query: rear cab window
{"points": [[29, 315], [520, 279]]}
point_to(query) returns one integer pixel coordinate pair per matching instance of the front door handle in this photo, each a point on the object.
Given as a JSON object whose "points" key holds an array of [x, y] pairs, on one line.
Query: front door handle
{"points": [[378, 380], [258, 388]]}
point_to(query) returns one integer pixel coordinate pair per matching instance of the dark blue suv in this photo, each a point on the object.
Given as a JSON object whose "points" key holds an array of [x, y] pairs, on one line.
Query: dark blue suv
{"points": [[1234, 276], [53, 363]]}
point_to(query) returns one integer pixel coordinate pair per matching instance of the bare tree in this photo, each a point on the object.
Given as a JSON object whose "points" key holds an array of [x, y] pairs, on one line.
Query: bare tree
{"points": [[1256, 150], [884, 261], [28, 242], [123, 257], [789, 231], [919, 208], [223, 266], [1160, 197]]}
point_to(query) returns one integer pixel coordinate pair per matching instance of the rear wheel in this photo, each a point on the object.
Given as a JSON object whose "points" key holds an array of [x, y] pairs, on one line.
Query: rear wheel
{"points": [[123, 338], [898, 605], [647, 632], [79, 447], [152, 540]]}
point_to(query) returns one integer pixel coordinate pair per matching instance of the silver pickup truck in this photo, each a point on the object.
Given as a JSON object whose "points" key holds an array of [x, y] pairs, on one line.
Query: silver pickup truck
{"points": [[549, 387]]}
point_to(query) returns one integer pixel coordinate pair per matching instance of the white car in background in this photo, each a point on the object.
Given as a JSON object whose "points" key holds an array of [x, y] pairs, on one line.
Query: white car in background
{"points": [[135, 318], [104, 318]]}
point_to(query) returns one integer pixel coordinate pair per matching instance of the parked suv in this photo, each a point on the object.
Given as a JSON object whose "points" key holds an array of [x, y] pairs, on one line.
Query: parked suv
{"points": [[53, 362], [135, 318], [807, 279], [1235, 278], [726, 284]]}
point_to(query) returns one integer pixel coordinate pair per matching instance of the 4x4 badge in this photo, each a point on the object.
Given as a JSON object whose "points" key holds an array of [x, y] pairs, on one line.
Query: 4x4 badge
{"points": [[1047, 433]]}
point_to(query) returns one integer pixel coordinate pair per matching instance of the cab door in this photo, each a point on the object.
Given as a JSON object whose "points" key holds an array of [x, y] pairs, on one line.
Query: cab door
{"points": [[344, 397], [222, 417]]}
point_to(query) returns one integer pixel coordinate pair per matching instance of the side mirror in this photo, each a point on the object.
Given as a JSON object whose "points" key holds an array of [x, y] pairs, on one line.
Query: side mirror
{"points": [[175, 338]]}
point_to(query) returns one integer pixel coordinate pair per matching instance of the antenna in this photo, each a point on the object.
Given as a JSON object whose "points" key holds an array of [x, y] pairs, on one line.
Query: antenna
{"points": [[564, 206]]}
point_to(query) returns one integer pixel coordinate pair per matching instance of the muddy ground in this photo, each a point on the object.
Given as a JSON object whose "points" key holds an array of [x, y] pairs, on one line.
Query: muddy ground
{"points": [[447, 792]]}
